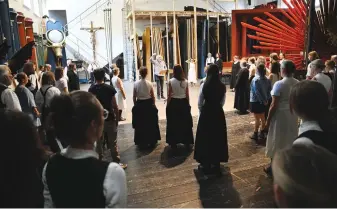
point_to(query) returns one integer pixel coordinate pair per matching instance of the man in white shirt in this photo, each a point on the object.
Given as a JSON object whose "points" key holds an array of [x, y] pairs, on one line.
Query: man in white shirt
{"points": [[8, 98], [159, 66], [318, 66], [210, 59]]}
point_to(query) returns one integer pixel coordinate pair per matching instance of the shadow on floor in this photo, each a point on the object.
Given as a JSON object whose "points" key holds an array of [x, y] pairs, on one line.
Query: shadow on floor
{"points": [[218, 192], [134, 152], [173, 157]]}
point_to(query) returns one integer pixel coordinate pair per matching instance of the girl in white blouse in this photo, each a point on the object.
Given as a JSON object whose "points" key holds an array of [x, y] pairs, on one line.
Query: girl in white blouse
{"points": [[75, 177], [178, 111], [145, 112]]}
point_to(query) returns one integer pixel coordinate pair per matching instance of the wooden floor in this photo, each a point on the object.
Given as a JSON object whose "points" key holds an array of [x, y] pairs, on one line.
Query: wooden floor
{"points": [[157, 178]]}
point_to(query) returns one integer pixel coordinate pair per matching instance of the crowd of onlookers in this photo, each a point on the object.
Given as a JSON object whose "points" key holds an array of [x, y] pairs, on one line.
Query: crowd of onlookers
{"points": [[54, 135]]}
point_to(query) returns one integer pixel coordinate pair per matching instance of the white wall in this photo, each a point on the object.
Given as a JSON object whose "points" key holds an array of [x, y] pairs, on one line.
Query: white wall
{"points": [[75, 8], [18, 6]]}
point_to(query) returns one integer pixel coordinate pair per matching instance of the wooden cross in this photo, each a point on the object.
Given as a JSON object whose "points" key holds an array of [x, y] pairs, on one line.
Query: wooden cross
{"points": [[92, 30]]}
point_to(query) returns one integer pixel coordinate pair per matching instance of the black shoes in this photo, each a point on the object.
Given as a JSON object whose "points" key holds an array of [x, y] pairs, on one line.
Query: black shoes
{"points": [[255, 136], [210, 170], [268, 171]]}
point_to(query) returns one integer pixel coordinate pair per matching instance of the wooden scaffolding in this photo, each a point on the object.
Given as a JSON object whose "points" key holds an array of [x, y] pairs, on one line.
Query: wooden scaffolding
{"points": [[134, 15]]}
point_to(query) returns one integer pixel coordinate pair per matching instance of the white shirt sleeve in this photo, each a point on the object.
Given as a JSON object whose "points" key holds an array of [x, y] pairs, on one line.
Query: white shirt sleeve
{"points": [[201, 98], [11, 100], [32, 79], [303, 141], [276, 91], [114, 187], [48, 202], [309, 71]]}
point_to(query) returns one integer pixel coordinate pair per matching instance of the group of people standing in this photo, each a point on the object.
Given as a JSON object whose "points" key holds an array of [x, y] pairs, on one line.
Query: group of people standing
{"points": [[271, 94], [33, 91], [179, 130]]}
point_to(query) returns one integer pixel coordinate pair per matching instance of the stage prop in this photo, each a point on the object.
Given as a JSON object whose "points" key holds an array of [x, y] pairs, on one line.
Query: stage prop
{"points": [[147, 52], [21, 29], [92, 30], [14, 28], [181, 28], [285, 30], [17, 61], [55, 52], [108, 34], [6, 25], [3, 50], [30, 37]]}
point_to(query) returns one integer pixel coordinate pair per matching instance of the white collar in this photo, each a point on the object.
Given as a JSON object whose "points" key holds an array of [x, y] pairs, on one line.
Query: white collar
{"points": [[74, 153], [309, 126]]}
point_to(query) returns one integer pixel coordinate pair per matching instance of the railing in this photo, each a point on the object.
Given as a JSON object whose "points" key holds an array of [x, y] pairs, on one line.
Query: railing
{"points": [[93, 8], [217, 6], [85, 51], [75, 45]]}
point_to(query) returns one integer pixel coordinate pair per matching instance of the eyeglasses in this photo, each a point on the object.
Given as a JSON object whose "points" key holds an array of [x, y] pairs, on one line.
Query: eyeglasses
{"points": [[105, 114]]}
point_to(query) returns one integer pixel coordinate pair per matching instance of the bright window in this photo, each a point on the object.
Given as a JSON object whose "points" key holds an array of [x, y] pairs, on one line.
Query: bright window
{"points": [[27, 3]]}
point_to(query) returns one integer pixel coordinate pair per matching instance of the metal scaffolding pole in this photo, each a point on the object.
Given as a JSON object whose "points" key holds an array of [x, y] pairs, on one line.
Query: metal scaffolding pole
{"points": [[195, 34], [151, 27], [167, 43], [134, 39], [174, 35]]}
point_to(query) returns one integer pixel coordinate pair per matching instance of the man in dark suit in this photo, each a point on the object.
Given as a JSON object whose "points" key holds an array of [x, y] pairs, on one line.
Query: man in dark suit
{"points": [[219, 62], [73, 82]]}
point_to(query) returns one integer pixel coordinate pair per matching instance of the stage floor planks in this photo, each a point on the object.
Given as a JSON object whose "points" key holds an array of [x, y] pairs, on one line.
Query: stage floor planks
{"points": [[157, 178]]}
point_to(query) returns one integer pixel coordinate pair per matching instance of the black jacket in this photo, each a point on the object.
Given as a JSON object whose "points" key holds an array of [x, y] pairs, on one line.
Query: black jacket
{"points": [[73, 83], [219, 63]]}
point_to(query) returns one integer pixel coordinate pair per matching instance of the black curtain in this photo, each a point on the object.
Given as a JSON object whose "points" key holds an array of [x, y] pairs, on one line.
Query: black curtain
{"points": [[225, 41], [183, 39]]}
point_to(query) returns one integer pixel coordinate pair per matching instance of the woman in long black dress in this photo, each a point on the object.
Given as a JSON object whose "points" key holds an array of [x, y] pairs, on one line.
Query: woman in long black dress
{"points": [[235, 71], [211, 146], [178, 111], [241, 102], [145, 112]]}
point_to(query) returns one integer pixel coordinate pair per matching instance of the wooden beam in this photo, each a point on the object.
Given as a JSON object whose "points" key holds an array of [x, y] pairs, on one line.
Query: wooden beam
{"points": [[151, 27], [174, 35], [195, 34], [167, 45]]}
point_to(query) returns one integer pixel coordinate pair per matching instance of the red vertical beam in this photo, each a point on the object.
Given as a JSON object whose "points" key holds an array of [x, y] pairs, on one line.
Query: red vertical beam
{"points": [[235, 45], [244, 40]]}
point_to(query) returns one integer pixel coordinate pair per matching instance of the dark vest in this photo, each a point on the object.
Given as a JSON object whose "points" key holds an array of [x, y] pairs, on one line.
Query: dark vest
{"points": [[2, 89], [322, 139], [76, 183]]}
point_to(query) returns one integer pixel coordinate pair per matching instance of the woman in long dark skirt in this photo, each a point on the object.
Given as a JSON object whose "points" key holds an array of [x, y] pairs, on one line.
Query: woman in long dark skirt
{"points": [[235, 71], [145, 112], [178, 111], [211, 146], [241, 102]]}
